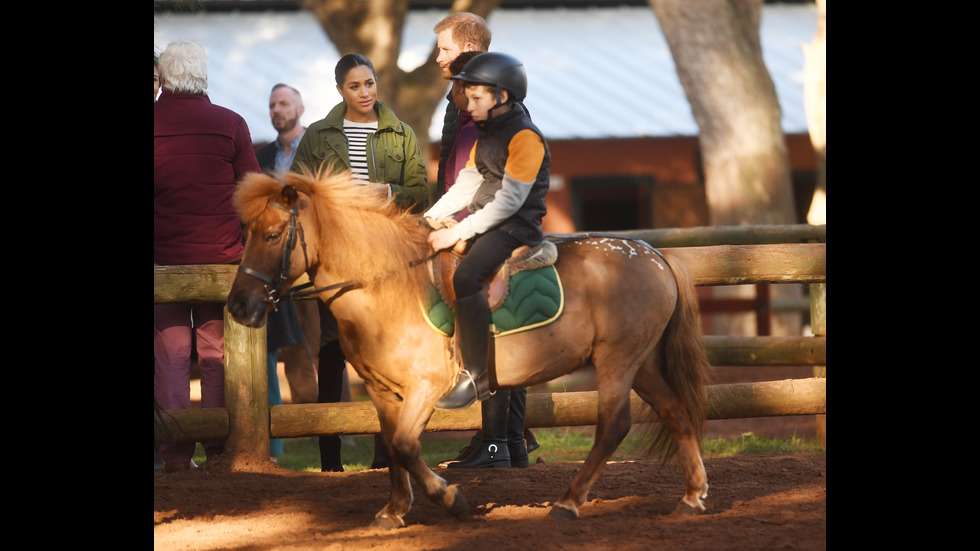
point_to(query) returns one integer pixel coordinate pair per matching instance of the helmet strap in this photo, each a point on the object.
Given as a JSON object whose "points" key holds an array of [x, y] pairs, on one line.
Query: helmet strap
{"points": [[500, 103]]}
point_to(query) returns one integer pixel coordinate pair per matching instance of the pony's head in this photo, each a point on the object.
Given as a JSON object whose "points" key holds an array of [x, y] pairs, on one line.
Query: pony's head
{"points": [[275, 250], [342, 231]]}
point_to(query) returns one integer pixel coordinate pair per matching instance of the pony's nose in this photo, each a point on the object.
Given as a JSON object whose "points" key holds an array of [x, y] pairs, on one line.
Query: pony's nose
{"points": [[246, 310]]}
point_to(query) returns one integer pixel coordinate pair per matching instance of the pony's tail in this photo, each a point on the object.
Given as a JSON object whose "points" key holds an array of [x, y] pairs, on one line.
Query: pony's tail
{"points": [[683, 360]]}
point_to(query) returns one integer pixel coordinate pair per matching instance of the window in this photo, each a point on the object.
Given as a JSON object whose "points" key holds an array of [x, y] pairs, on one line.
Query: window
{"points": [[610, 203]]}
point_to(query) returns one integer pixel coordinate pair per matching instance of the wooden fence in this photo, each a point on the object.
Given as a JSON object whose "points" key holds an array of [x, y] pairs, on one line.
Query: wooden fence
{"points": [[717, 256]]}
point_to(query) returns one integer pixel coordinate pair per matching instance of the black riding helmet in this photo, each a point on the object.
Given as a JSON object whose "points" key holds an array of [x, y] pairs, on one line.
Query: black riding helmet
{"points": [[498, 70]]}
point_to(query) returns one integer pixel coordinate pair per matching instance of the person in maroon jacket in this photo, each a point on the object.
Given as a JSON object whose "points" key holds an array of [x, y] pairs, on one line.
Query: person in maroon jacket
{"points": [[200, 152]]}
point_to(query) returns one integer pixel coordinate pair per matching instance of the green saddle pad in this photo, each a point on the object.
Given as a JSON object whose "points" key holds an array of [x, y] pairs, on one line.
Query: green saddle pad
{"points": [[535, 299]]}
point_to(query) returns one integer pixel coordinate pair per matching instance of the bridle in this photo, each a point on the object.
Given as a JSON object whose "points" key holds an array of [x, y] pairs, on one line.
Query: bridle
{"points": [[274, 286]]}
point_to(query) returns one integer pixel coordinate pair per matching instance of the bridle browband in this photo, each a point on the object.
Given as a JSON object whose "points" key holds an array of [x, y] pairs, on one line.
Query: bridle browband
{"points": [[275, 293]]}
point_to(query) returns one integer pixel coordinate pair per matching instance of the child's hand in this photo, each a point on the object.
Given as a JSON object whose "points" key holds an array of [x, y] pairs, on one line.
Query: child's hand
{"points": [[442, 239], [440, 223]]}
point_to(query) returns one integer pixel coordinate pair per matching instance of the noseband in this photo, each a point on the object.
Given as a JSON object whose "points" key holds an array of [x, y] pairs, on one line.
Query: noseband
{"points": [[274, 286]]}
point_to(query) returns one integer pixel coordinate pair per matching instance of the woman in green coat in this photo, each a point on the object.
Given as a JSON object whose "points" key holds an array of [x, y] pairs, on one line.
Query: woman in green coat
{"points": [[362, 135], [367, 138]]}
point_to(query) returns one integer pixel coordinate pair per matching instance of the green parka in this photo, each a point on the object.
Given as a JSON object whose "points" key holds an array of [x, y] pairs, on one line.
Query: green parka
{"points": [[394, 156]]}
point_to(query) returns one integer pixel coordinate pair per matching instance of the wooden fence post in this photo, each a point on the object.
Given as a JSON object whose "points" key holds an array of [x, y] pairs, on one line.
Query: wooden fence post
{"points": [[818, 325], [246, 392]]}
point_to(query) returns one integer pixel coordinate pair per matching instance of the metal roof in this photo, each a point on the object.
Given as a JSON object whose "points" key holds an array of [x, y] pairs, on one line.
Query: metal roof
{"points": [[578, 61]]}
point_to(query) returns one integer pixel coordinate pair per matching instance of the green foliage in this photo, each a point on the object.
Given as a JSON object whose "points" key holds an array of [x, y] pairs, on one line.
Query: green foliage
{"points": [[557, 444]]}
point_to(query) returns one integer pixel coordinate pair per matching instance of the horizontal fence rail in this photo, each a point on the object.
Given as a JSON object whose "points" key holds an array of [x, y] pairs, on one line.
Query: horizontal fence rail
{"points": [[716, 255], [560, 409], [737, 350], [730, 235], [711, 265]]}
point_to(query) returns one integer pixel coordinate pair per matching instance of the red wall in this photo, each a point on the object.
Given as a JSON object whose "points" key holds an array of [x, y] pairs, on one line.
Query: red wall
{"points": [[678, 197]]}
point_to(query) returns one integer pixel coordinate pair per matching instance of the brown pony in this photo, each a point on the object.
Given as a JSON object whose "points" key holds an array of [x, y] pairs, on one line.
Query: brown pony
{"points": [[628, 311]]}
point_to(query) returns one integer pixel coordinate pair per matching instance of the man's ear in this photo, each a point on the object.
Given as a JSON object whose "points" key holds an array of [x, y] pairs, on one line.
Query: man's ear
{"points": [[504, 95]]}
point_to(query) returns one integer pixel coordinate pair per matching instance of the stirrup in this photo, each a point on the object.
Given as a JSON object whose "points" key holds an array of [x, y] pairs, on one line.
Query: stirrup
{"points": [[464, 394]]}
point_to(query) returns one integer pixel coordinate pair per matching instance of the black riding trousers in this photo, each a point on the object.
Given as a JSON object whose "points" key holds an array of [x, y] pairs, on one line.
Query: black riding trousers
{"points": [[485, 256]]}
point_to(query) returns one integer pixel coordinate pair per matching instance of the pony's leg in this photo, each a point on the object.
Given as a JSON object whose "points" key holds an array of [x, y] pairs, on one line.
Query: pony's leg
{"points": [[414, 414], [654, 390], [402, 424], [612, 426], [400, 496]]}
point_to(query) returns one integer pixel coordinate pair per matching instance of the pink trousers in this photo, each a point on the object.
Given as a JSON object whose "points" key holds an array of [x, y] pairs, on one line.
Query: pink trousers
{"points": [[172, 326]]}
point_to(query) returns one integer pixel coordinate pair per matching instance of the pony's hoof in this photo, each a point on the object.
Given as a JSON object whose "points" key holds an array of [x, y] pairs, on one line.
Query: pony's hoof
{"points": [[561, 513], [454, 502], [459, 508], [386, 523], [686, 510]]}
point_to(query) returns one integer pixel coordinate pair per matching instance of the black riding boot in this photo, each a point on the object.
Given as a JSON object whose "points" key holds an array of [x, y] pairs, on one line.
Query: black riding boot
{"points": [[466, 451], [515, 428], [473, 334], [530, 440], [330, 379], [493, 450], [381, 459]]}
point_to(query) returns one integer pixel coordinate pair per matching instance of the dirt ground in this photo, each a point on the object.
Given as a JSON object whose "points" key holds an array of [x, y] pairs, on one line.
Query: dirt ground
{"points": [[770, 502], [775, 502]]}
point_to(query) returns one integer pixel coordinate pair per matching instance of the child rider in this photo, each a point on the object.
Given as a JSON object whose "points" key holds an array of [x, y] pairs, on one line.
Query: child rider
{"points": [[503, 186]]}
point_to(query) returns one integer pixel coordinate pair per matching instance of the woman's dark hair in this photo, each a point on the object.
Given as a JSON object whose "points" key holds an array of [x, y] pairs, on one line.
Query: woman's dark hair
{"points": [[457, 64], [347, 63]]}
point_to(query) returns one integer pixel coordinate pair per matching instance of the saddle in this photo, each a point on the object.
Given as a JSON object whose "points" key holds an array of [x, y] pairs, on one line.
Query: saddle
{"points": [[497, 285]]}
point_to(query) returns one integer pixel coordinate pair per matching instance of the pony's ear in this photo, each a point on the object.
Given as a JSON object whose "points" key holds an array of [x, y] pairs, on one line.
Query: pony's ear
{"points": [[289, 196]]}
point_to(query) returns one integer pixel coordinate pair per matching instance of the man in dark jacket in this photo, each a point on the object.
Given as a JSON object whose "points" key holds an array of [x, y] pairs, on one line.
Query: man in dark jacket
{"points": [[200, 152], [285, 110]]}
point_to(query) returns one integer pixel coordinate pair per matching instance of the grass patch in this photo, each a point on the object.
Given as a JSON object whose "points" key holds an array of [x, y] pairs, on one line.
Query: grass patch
{"points": [[557, 444], [750, 444]]}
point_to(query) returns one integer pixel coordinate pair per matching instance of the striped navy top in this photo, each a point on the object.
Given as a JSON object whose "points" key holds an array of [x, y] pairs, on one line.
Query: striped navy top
{"points": [[357, 136]]}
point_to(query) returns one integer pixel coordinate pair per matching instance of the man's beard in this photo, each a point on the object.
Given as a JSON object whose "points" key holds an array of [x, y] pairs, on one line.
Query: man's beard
{"points": [[285, 125]]}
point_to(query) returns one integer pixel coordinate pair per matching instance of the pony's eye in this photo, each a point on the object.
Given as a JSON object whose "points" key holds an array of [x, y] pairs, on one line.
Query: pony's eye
{"points": [[273, 237]]}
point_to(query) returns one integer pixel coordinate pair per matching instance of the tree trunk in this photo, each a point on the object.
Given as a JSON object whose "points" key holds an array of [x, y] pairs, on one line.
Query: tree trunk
{"points": [[718, 55], [372, 28], [717, 51], [815, 102]]}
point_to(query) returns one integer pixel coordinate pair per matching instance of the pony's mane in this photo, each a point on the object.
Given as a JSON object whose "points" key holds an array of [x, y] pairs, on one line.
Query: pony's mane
{"points": [[365, 236], [252, 194]]}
